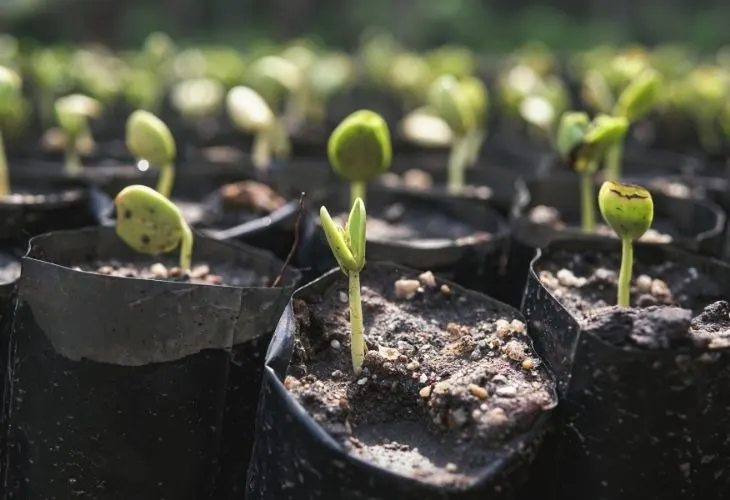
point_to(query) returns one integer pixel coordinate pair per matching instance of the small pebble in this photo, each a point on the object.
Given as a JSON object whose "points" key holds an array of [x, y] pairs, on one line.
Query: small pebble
{"points": [[441, 388], [291, 383], [343, 297], [423, 378], [660, 290], [214, 279], [643, 283], [477, 391], [413, 366], [174, 272], [496, 416], [406, 289], [425, 392], [335, 344], [517, 326], [389, 353], [158, 270], [428, 279], [502, 328], [199, 271], [106, 270], [507, 391], [337, 374], [446, 290], [362, 381], [514, 350], [499, 379], [451, 467], [528, 364]]}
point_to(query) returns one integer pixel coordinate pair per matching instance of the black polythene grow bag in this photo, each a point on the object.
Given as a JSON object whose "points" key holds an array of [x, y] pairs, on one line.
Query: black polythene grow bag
{"points": [[474, 263], [700, 224], [295, 459], [634, 425], [127, 388], [56, 206]]}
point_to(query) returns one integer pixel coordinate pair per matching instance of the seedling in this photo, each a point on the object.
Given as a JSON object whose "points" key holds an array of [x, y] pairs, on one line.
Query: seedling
{"points": [[629, 210], [149, 139], [583, 144], [197, 98], [250, 113], [151, 224], [10, 88], [359, 150], [462, 105], [635, 102], [73, 113], [348, 247]]}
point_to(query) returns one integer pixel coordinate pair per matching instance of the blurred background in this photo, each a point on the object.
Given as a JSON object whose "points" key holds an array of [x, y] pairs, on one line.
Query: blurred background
{"points": [[485, 25]]}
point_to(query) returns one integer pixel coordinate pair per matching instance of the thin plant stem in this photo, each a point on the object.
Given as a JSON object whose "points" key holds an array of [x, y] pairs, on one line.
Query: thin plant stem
{"points": [[357, 339], [166, 180], [72, 156], [614, 158], [4, 174], [261, 150], [624, 277], [186, 247], [357, 190], [587, 202], [458, 159]]}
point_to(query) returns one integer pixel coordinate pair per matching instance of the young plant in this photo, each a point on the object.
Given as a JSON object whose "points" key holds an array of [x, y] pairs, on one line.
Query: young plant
{"points": [[10, 93], [629, 210], [151, 224], [583, 144], [348, 247], [359, 150], [635, 102], [462, 107], [250, 113], [149, 139], [73, 113], [197, 98]]}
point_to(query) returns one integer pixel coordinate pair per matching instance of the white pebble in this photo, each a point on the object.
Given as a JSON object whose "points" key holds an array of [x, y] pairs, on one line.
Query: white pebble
{"points": [[566, 277], [362, 381], [643, 283], [428, 279], [517, 326], [406, 289], [343, 297], [507, 391], [335, 344]]}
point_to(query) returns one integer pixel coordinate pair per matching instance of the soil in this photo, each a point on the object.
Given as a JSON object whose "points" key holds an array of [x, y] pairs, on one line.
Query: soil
{"points": [[41, 197], [251, 196], [167, 270], [420, 180], [447, 382], [418, 227], [673, 306], [543, 215], [9, 269]]}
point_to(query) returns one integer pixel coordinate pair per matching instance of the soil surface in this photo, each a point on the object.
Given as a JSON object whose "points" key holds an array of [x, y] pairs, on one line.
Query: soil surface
{"points": [[420, 180], [544, 215], [250, 196], [419, 227], [448, 380], [168, 270], [40, 197], [673, 305], [9, 268]]}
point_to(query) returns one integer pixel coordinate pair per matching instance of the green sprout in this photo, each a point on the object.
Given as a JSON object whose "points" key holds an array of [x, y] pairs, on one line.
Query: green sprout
{"points": [[629, 210], [10, 94], [197, 98], [636, 101], [348, 247], [359, 150], [148, 138], [151, 224], [250, 113], [73, 113], [462, 105], [582, 144]]}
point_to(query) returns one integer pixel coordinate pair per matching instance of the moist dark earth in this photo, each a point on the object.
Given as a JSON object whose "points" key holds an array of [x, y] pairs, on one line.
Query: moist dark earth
{"points": [[447, 382], [168, 270], [419, 227], [673, 305]]}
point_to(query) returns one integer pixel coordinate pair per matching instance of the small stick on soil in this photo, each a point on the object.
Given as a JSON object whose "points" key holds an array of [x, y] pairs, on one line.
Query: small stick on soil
{"points": [[296, 241]]}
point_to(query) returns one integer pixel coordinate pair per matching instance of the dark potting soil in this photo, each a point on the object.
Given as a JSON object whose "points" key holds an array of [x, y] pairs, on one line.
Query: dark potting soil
{"points": [[420, 180], [419, 227], [9, 269], [673, 306], [446, 380], [168, 270], [663, 232]]}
